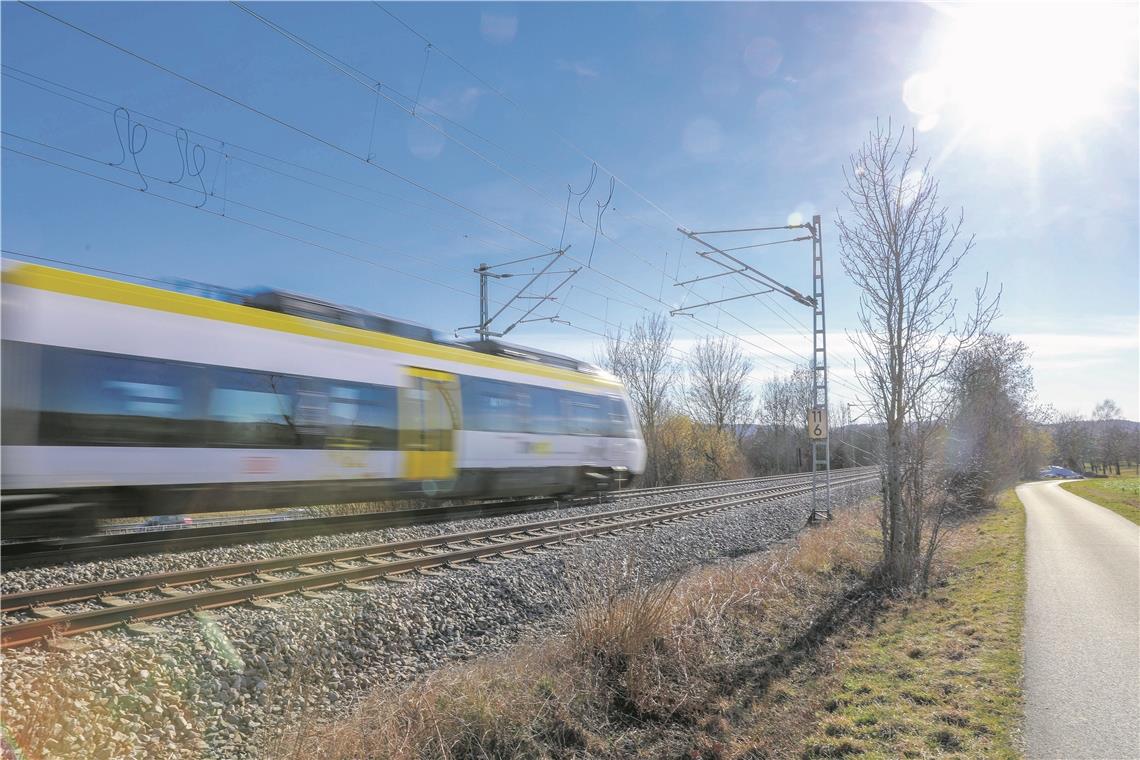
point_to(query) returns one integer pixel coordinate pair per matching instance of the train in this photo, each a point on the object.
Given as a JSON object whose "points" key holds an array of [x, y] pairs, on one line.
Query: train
{"points": [[119, 399]]}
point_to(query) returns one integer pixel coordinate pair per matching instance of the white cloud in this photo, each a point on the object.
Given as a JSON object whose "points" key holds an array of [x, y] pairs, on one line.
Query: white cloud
{"points": [[455, 104], [498, 29], [580, 68], [1047, 346]]}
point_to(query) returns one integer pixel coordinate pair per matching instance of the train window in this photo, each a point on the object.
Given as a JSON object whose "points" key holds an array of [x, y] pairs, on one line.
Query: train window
{"points": [[361, 416], [545, 411], [90, 398], [492, 405], [584, 414], [87, 398], [619, 423], [252, 409]]}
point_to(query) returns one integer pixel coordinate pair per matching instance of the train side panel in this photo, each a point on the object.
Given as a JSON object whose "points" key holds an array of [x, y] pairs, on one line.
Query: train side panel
{"points": [[239, 408]]}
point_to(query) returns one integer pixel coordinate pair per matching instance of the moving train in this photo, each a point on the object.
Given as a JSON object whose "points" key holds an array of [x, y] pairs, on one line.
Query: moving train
{"points": [[121, 399]]}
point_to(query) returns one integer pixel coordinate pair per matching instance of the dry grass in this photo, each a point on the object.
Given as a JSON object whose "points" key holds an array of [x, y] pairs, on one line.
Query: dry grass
{"points": [[930, 676], [642, 669]]}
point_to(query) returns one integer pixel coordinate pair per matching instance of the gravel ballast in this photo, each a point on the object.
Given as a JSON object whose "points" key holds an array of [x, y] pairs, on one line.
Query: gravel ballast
{"points": [[215, 685], [87, 572]]}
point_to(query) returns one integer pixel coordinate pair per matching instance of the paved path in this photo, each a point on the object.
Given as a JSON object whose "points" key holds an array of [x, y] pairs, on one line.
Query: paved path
{"points": [[1082, 628]]}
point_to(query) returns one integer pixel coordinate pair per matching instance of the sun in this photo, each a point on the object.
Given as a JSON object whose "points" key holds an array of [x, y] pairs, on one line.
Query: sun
{"points": [[1024, 70]]}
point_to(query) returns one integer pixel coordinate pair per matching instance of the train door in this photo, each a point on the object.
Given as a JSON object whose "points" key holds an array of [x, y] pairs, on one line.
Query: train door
{"points": [[429, 415]]}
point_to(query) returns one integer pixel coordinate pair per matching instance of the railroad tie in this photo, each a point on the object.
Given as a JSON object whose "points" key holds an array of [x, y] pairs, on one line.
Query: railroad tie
{"points": [[397, 578], [142, 629], [113, 601], [46, 612], [314, 595]]}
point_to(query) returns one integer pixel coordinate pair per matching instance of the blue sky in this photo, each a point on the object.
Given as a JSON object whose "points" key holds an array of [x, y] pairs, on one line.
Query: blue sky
{"points": [[709, 115]]}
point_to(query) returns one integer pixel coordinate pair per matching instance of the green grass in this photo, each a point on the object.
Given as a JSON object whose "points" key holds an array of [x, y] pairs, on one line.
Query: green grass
{"points": [[1121, 494], [940, 675]]}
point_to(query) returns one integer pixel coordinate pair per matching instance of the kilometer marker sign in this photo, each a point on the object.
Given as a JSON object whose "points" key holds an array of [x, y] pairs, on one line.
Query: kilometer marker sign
{"points": [[817, 424]]}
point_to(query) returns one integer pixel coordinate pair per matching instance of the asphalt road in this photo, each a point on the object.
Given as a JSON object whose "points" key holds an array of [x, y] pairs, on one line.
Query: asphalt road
{"points": [[1082, 628]]}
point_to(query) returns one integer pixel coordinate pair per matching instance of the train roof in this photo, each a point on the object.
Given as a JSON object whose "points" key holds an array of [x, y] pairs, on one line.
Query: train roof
{"points": [[323, 311], [388, 333], [499, 348]]}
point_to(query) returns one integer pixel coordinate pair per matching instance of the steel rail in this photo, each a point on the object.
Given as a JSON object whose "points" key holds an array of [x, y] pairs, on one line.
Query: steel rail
{"points": [[482, 545], [106, 546], [17, 601]]}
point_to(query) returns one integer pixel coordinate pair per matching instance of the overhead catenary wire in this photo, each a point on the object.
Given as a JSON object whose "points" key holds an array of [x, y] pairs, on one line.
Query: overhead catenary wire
{"points": [[367, 82], [499, 92], [301, 222], [232, 218], [672, 219], [245, 222], [329, 249], [267, 212], [345, 151], [320, 228], [280, 122], [235, 152], [304, 132]]}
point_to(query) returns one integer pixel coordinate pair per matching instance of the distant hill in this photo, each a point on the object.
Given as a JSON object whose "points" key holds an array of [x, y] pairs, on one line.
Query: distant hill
{"points": [[1129, 425]]}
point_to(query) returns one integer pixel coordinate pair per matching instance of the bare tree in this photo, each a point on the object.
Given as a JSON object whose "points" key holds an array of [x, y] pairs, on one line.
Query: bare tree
{"points": [[641, 360], [902, 249], [1111, 440], [992, 437], [718, 393], [1072, 441], [780, 441]]}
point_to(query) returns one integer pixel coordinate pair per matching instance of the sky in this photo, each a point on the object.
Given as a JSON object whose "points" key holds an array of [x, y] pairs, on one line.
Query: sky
{"points": [[373, 155]]}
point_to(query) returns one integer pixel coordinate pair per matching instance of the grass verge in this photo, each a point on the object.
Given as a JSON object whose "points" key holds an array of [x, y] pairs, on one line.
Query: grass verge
{"points": [[930, 676], [1121, 494]]}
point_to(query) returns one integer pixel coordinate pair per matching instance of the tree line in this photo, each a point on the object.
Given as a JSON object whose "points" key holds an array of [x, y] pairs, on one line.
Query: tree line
{"points": [[950, 415], [1098, 445]]}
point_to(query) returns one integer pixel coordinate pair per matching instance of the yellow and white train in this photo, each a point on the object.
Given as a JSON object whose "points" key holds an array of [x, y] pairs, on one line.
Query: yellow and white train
{"points": [[121, 399]]}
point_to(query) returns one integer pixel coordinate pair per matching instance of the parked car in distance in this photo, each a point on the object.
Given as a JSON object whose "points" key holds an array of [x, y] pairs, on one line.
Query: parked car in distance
{"points": [[1055, 471]]}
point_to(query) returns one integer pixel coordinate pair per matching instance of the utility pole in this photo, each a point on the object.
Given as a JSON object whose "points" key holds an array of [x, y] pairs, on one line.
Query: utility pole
{"points": [[484, 272], [820, 508], [818, 431], [483, 329]]}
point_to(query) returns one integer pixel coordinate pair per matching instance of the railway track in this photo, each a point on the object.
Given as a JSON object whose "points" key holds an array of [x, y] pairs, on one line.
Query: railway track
{"points": [[25, 554], [134, 601]]}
